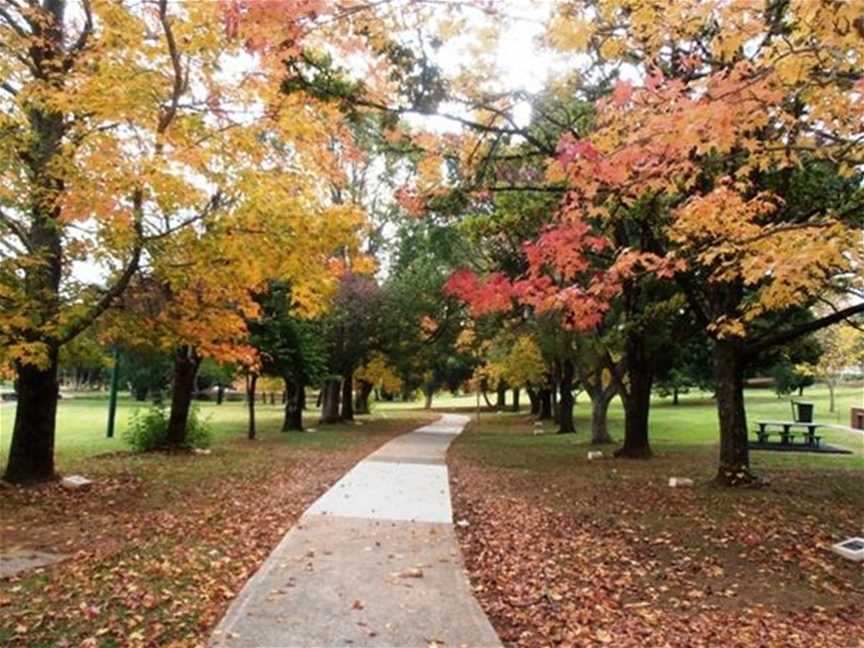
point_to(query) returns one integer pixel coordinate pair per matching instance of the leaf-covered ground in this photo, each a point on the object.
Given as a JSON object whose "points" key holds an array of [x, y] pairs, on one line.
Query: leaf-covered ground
{"points": [[563, 551], [161, 544]]}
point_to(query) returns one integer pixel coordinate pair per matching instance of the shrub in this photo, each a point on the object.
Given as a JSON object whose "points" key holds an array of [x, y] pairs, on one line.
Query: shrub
{"points": [[198, 432], [148, 430]]}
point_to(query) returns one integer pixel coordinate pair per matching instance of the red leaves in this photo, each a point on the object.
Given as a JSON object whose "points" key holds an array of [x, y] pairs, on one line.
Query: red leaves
{"points": [[570, 149], [562, 277], [491, 294], [622, 93]]}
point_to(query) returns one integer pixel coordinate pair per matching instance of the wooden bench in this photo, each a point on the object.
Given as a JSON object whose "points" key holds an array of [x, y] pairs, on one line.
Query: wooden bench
{"points": [[787, 437]]}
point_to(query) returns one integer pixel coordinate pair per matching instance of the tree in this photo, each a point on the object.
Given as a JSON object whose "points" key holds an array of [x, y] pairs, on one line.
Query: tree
{"points": [[122, 131], [420, 324], [688, 364], [349, 329], [288, 347], [86, 359], [377, 375], [216, 374], [842, 348], [146, 371], [732, 120]]}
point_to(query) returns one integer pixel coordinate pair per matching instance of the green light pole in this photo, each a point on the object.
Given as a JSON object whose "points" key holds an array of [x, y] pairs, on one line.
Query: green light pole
{"points": [[112, 398]]}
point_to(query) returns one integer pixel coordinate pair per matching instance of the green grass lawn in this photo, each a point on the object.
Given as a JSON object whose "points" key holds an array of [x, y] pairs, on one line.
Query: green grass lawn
{"points": [[689, 426], [82, 423]]}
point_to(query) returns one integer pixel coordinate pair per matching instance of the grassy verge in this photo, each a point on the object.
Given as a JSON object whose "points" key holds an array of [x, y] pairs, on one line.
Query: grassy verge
{"points": [[161, 543], [563, 550]]}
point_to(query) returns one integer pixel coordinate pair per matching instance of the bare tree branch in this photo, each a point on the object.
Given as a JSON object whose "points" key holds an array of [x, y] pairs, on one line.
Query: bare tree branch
{"points": [[784, 337], [112, 293], [83, 37], [16, 228]]}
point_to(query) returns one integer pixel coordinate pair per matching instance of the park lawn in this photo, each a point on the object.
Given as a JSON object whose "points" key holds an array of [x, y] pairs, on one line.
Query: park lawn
{"points": [[563, 550], [82, 424], [161, 543]]}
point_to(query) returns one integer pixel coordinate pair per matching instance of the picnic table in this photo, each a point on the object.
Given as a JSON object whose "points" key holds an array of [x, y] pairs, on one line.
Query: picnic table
{"points": [[787, 436]]}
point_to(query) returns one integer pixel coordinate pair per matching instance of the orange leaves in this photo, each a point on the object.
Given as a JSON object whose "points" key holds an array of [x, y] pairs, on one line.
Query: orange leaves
{"points": [[270, 24], [699, 151]]}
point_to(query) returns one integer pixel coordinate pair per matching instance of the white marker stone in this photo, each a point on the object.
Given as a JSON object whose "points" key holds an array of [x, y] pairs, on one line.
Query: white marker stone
{"points": [[852, 549], [595, 454], [76, 482], [680, 482]]}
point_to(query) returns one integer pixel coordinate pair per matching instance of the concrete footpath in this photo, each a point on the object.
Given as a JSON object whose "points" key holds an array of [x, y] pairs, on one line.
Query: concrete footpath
{"points": [[373, 562]]}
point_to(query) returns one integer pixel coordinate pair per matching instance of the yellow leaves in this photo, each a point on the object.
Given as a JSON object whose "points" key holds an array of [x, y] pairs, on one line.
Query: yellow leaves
{"points": [[515, 360], [612, 48], [781, 263], [569, 34], [725, 327], [379, 374], [430, 170], [842, 348]]}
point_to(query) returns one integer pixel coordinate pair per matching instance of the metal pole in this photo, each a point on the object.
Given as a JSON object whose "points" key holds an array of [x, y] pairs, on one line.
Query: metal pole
{"points": [[112, 398]]}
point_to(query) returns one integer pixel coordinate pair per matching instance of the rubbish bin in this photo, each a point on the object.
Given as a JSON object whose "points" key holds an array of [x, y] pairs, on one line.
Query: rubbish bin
{"points": [[803, 411]]}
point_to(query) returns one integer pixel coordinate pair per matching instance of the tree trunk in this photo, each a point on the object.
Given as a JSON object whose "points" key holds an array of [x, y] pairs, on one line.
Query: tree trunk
{"points": [[293, 410], [330, 401], [556, 404], [348, 396], [429, 394], [515, 399], [734, 452], [31, 456], [831, 404], [599, 416], [565, 409], [637, 399], [534, 399], [251, 382], [486, 397], [301, 397], [220, 394], [186, 362], [364, 390], [545, 398], [139, 394], [674, 395], [501, 397]]}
